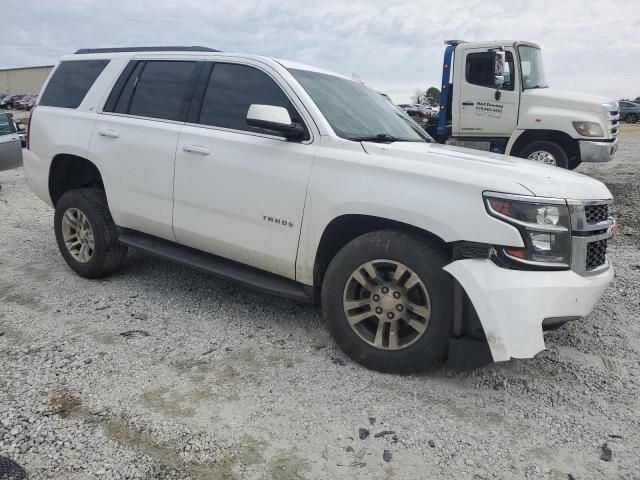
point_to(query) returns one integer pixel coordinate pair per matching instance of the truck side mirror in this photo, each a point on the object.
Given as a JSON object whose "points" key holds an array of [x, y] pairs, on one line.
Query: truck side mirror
{"points": [[498, 70]]}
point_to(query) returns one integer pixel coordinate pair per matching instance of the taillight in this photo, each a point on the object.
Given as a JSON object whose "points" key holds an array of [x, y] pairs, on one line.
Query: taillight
{"points": [[29, 126]]}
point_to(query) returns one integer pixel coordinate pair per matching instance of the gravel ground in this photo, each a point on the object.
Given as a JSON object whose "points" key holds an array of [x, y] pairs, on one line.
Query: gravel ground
{"points": [[160, 372]]}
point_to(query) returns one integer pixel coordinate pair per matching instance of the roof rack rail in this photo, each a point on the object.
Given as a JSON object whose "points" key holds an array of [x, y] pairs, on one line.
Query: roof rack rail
{"points": [[146, 49]]}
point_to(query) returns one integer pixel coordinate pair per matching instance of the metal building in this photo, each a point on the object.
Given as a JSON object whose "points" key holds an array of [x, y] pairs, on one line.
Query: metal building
{"points": [[15, 81]]}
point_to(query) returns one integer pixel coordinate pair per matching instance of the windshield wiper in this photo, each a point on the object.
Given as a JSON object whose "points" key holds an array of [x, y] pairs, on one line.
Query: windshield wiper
{"points": [[381, 138]]}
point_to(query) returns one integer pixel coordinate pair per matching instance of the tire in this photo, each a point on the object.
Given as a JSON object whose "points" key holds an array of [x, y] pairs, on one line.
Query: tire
{"points": [[391, 249], [631, 118], [545, 146], [105, 254]]}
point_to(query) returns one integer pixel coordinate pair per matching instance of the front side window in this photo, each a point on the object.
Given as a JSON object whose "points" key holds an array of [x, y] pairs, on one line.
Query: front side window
{"points": [[480, 66], [531, 68], [70, 82], [357, 112], [232, 89]]}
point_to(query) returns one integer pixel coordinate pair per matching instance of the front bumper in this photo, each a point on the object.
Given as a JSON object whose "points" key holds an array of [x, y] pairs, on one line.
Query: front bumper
{"points": [[512, 304], [592, 151]]}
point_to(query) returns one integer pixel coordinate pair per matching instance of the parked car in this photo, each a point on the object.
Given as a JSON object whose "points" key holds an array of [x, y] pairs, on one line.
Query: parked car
{"points": [[8, 102], [307, 184], [629, 111], [23, 102], [10, 149]]}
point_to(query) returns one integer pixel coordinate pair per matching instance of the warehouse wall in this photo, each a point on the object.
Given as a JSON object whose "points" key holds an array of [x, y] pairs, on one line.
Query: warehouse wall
{"points": [[23, 80]]}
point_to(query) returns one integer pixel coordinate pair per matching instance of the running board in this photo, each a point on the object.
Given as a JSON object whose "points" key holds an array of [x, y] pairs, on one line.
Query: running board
{"points": [[220, 267]]}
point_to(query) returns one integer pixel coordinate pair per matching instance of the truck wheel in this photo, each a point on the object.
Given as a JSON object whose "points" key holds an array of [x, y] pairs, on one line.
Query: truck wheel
{"points": [[86, 234], [544, 151], [388, 303], [631, 118]]}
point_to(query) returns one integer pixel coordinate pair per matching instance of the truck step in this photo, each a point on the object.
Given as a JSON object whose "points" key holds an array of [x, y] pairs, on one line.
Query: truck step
{"points": [[220, 267]]}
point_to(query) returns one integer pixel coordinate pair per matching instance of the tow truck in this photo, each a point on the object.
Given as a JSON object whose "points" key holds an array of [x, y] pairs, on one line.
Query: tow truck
{"points": [[495, 97]]}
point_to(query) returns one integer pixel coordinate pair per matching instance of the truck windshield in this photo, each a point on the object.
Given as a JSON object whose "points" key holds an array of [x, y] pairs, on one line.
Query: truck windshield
{"points": [[356, 112], [531, 67]]}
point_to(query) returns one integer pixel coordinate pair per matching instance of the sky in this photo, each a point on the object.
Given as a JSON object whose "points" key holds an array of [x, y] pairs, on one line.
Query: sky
{"points": [[590, 46]]}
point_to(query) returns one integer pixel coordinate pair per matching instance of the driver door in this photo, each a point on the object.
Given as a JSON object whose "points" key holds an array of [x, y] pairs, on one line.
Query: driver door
{"points": [[480, 114]]}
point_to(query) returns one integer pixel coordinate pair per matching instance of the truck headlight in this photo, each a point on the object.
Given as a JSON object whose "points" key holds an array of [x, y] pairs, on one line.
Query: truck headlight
{"points": [[545, 227], [588, 129]]}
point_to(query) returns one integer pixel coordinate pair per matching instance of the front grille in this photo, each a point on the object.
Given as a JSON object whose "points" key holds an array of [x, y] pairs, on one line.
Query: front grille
{"points": [[596, 254], [596, 213], [590, 230]]}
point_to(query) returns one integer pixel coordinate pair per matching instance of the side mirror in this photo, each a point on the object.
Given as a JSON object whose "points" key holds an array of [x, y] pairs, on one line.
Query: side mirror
{"points": [[498, 70], [276, 119]]}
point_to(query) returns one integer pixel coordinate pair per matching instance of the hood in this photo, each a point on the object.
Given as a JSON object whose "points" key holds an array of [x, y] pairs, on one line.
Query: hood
{"points": [[490, 171], [550, 97]]}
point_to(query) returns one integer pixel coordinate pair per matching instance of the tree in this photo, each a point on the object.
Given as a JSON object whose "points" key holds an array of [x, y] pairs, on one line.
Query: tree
{"points": [[417, 96], [432, 97]]}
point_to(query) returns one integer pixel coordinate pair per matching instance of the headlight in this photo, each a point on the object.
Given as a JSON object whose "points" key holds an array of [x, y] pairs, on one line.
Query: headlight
{"points": [[588, 129], [545, 227]]}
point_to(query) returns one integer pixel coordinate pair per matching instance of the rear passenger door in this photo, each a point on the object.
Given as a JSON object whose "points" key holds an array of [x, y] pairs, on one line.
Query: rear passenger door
{"points": [[239, 190], [134, 142]]}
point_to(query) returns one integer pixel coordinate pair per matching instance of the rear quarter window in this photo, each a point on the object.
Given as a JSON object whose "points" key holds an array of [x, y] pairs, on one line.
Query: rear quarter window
{"points": [[70, 83]]}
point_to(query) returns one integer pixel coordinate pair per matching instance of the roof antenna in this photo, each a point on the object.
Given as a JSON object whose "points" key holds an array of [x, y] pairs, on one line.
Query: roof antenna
{"points": [[356, 78]]}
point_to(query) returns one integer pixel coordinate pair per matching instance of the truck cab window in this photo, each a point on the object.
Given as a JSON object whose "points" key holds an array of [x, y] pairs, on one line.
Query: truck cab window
{"points": [[479, 70]]}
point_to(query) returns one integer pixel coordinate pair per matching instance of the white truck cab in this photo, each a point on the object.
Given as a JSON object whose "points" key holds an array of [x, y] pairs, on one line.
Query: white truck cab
{"points": [[304, 183], [495, 97]]}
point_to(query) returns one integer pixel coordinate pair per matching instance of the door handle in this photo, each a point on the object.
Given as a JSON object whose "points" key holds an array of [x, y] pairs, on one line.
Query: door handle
{"points": [[468, 104], [196, 149], [108, 133]]}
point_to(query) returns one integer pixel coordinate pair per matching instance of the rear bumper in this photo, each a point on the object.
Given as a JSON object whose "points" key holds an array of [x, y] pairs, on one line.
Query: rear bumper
{"points": [[513, 304], [598, 152], [36, 171]]}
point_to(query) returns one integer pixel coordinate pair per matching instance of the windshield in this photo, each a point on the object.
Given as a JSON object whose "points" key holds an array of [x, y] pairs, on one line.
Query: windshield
{"points": [[356, 112], [531, 67]]}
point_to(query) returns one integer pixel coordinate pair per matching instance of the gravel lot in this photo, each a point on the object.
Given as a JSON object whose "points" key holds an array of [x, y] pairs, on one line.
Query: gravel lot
{"points": [[160, 372]]}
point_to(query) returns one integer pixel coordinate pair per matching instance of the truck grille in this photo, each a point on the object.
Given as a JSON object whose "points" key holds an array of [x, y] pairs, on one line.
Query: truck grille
{"points": [[596, 213], [590, 227], [613, 119], [596, 254]]}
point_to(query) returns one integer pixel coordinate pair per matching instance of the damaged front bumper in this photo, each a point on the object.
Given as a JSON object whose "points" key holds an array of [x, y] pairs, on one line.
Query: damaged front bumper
{"points": [[513, 304]]}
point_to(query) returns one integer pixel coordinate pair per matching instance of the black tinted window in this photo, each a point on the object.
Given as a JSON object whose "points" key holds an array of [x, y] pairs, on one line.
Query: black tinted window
{"points": [[232, 89], [161, 89], [70, 83], [480, 70], [6, 124]]}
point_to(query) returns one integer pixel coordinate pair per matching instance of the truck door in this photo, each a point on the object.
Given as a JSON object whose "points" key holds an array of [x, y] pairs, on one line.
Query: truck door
{"points": [[479, 113]]}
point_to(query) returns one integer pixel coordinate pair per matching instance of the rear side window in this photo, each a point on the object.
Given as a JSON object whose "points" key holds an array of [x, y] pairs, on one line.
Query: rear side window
{"points": [[156, 89], [232, 89], [70, 83]]}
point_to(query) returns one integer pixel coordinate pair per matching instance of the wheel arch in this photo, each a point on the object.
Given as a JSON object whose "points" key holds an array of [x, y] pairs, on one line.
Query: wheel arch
{"points": [[568, 144], [344, 228], [69, 172]]}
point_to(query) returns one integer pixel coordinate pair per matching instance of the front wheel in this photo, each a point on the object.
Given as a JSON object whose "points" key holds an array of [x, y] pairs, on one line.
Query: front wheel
{"points": [[544, 151], [631, 118], [388, 303]]}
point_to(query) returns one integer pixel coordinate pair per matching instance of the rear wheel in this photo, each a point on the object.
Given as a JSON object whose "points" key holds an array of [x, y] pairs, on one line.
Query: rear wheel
{"points": [[631, 118], [544, 151], [388, 303], [86, 234]]}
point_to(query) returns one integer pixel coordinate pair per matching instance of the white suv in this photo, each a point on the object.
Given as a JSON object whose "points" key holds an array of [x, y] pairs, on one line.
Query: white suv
{"points": [[304, 183]]}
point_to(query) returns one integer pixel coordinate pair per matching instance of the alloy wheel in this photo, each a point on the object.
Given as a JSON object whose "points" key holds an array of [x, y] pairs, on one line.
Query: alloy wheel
{"points": [[387, 304], [78, 235]]}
